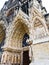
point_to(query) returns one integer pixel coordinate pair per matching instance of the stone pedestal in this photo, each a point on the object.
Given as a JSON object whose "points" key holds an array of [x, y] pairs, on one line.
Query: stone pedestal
{"points": [[40, 54]]}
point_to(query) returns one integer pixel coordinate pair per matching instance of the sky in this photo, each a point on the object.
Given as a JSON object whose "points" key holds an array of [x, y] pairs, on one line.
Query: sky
{"points": [[44, 2]]}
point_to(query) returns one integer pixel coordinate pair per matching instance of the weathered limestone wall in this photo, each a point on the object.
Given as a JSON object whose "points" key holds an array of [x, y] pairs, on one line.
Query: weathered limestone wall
{"points": [[41, 51]]}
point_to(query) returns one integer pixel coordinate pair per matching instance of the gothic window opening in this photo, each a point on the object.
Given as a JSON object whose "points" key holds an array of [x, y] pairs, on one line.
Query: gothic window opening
{"points": [[25, 7]]}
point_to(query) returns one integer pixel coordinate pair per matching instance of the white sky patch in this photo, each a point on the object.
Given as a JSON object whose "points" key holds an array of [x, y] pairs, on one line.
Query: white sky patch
{"points": [[2, 3], [45, 4]]}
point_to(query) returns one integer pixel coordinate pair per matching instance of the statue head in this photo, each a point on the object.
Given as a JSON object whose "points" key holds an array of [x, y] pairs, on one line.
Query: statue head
{"points": [[26, 36]]}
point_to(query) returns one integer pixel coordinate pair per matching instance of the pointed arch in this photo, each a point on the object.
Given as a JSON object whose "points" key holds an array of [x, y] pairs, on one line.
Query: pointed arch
{"points": [[22, 16], [43, 22], [17, 29]]}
